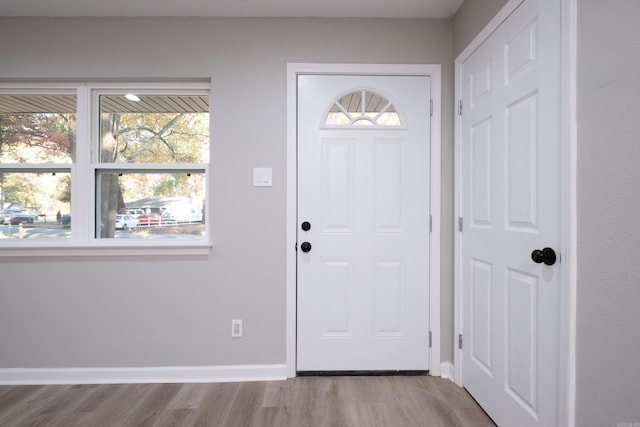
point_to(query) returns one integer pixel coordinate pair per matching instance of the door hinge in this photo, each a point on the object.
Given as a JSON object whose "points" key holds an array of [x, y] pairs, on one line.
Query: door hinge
{"points": [[429, 339], [460, 224], [460, 341], [460, 107], [296, 248], [430, 224], [431, 108]]}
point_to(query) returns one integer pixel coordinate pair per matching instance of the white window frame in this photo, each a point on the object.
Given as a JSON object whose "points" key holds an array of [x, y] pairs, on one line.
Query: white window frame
{"points": [[83, 174]]}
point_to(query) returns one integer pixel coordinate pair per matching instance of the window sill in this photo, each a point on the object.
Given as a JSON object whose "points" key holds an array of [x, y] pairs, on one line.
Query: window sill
{"points": [[71, 250]]}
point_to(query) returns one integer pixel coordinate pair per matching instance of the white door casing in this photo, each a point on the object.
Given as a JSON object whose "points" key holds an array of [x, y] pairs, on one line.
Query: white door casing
{"points": [[509, 200], [363, 288]]}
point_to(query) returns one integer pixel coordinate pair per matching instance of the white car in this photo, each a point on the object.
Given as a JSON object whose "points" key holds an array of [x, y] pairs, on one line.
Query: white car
{"points": [[135, 212], [125, 222]]}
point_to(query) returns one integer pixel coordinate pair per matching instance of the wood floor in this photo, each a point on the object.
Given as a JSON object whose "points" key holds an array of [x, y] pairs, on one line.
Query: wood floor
{"points": [[308, 401]]}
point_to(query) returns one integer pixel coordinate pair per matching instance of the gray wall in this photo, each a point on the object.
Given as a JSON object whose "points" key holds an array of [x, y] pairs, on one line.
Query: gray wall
{"points": [[470, 19], [158, 311], [608, 334], [608, 277]]}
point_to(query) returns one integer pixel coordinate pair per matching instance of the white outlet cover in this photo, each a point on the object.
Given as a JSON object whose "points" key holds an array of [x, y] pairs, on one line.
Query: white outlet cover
{"points": [[262, 177]]}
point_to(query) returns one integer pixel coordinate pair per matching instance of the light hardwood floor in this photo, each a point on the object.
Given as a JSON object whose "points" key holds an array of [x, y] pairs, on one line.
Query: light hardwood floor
{"points": [[306, 401]]}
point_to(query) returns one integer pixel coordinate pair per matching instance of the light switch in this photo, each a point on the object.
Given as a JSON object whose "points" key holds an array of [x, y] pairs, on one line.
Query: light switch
{"points": [[262, 177]]}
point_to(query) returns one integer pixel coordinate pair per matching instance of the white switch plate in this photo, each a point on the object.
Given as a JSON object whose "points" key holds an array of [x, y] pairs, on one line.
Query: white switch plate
{"points": [[236, 328], [262, 177]]}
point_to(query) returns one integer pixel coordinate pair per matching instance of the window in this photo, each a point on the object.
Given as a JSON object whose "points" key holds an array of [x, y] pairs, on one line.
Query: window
{"points": [[75, 160], [37, 152], [362, 108]]}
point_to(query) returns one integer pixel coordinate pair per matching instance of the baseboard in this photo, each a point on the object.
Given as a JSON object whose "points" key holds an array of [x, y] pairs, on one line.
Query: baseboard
{"points": [[447, 371], [164, 374]]}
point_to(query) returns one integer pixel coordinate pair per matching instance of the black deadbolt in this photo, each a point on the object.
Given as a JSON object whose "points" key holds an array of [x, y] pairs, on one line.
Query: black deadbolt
{"points": [[305, 246], [306, 226], [546, 255]]}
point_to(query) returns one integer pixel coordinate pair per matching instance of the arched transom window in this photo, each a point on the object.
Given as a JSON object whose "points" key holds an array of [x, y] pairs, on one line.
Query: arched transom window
{"points": [[363, 108]]}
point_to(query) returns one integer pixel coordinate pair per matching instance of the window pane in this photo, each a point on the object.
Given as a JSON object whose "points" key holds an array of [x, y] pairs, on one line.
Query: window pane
{"points": [[37, 128], [363, 108], [151, 205], [154, 129], [337, 119], [35, 204]]}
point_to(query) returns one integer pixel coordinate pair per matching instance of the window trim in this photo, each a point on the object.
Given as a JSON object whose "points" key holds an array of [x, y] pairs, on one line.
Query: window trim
{"points": [[83, 173]]}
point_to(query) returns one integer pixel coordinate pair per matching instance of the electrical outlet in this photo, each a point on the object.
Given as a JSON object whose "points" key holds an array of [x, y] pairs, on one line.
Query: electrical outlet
{"points": [[236, 328]]}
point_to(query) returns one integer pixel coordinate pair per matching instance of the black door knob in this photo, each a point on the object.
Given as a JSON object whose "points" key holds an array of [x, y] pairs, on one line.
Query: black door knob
{"points": [[305, 246], [306, 226], [546, 255]]}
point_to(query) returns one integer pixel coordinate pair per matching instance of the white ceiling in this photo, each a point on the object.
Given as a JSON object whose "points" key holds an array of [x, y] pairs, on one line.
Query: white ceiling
{"points": [[235, 8]]}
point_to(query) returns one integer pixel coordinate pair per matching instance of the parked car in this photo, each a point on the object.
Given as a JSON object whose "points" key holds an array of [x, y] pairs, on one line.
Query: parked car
{"points": [[149, 219], [21, 218], [135, 212], [65, 220], [6, 215], [125, 222], [15, 217]]}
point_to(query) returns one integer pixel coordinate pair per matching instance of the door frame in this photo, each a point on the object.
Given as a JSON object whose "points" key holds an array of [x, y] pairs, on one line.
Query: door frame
{"points": [[568, 204], [434, 71]]}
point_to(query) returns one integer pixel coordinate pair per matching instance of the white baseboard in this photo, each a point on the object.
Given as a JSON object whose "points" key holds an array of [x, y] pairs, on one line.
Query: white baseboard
{"points": [[164, 374], [447, 371]]}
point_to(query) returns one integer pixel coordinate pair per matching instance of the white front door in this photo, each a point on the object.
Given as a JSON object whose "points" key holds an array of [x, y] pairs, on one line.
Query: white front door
{"points": [[510, 205], [363, 223]]}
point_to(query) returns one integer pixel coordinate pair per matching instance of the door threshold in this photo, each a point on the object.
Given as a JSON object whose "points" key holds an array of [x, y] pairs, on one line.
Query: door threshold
{"points": [[361, 373]]}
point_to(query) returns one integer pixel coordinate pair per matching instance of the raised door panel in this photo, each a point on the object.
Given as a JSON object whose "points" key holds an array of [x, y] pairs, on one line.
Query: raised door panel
{"points": [[337, 183], [482, 173], [521, 51], [337, 300], [389, 298], [389, 177], [481, 83], [521, 164], [522, 339], [482, 315]]}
